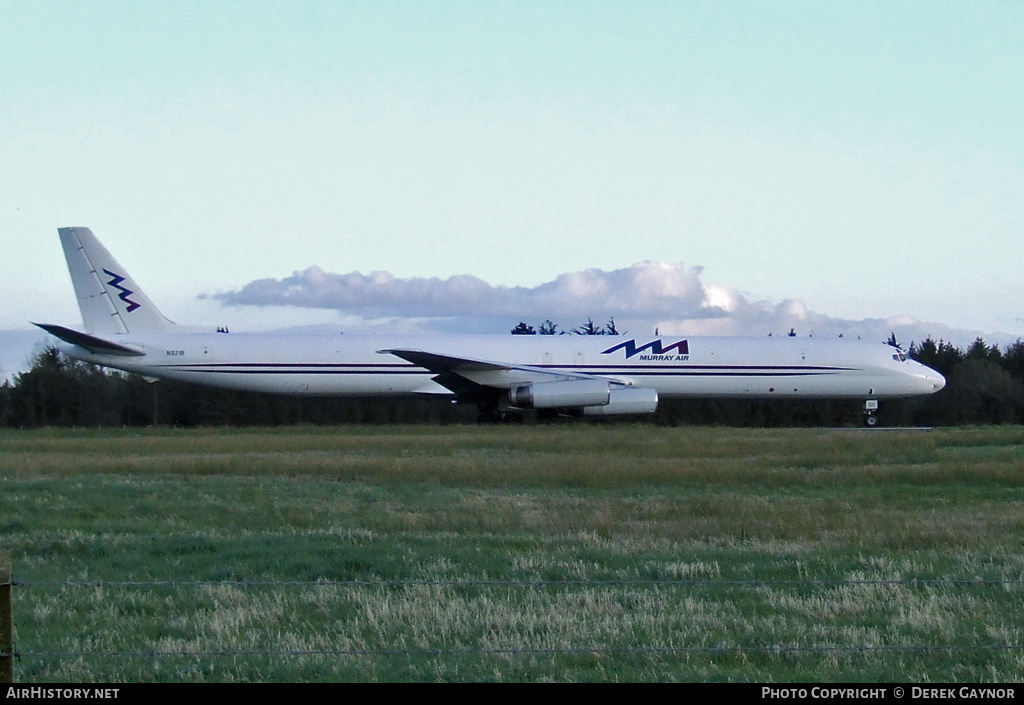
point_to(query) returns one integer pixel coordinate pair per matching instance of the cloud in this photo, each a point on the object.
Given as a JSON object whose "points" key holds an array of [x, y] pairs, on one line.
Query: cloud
{"points": [[649, 296], [649, 288]]}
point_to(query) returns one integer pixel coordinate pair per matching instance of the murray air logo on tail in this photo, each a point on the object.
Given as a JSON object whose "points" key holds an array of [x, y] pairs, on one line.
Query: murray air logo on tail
{"points": [[657, 352], [125, 292]]}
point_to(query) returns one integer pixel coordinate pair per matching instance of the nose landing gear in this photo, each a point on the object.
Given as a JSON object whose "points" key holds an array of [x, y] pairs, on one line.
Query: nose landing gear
{"points": [[871, 413]]}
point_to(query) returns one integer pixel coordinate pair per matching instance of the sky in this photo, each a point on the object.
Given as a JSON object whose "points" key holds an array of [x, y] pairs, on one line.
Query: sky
{"points": [[730, 167]]}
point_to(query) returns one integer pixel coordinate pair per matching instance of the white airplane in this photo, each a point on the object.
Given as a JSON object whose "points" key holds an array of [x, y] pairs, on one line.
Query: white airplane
{"points": [[576, 374]]}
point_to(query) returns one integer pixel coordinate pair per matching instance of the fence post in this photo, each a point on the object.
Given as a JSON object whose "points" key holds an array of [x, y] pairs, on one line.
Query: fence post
{"points": [[6, 620]]}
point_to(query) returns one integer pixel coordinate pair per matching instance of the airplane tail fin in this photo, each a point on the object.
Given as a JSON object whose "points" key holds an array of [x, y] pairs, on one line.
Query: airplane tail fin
{"points": [[109, 299]]}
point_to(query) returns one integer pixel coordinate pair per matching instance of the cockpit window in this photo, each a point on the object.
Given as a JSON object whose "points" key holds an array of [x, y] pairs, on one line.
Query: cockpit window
{"points": [[900, 356]]}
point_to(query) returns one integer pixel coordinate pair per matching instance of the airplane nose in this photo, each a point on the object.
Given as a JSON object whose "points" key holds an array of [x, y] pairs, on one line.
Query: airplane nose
{"points": [[928, 380]]}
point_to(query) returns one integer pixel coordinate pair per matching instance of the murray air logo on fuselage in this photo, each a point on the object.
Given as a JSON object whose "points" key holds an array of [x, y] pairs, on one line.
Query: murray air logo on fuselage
{"points": [[125, 292], [658, 353]]}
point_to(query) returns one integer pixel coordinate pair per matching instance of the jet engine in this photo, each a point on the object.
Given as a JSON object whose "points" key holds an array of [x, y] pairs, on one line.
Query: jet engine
{"points": [[552, 395], [628, 400], [594, 397]]}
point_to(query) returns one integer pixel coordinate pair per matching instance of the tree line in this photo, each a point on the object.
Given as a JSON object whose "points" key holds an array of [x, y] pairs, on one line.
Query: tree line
{"points": [[985, 384], [549, 328]]}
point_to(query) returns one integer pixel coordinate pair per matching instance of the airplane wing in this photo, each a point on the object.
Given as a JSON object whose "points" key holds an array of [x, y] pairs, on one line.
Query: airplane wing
{"points": [[92, 343], [445, 363], [454, 372]]}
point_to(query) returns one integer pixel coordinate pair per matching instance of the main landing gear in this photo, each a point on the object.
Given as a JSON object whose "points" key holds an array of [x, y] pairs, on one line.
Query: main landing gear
{"points": [[495, 409], [871, 413]]}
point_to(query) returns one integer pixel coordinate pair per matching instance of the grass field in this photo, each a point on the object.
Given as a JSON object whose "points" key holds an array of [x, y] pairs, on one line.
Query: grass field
{"points": [[552, 552]]}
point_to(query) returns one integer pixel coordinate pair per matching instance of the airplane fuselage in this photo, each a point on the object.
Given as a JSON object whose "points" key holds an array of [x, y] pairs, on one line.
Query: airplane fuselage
{"points": [[353, 364]]}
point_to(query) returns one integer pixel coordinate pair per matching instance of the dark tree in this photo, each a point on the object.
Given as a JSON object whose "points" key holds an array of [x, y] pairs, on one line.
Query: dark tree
{"points": [[942, 357], [548, 328], [59, 391], [5, 403], [1013, 360], [979, 350], [980, 391], [589, 328], [523, 329]]}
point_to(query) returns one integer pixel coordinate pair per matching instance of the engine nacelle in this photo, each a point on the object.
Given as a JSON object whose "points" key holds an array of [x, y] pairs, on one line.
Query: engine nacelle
{"points": [[552, 395], [628, 400]]}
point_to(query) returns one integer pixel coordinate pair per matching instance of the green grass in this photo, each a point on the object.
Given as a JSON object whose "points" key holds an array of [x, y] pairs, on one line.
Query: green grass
{"points": [[559, 552]]}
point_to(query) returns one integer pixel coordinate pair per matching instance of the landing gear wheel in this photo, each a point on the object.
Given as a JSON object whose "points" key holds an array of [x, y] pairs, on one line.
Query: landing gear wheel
{"points": [[870, 420]]}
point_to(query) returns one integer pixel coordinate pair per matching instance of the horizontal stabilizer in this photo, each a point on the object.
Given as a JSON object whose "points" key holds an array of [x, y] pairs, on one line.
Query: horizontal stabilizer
{"points": [[92, 343]]}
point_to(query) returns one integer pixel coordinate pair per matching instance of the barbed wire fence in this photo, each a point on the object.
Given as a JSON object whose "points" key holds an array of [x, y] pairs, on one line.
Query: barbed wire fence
{"points": [[10, 651]]}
